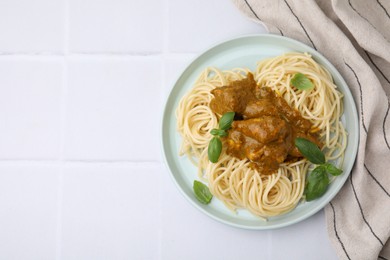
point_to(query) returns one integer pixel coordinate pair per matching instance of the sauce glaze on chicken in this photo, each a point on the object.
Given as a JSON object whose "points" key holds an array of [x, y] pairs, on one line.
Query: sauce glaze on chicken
{"points": [[265, 126]]}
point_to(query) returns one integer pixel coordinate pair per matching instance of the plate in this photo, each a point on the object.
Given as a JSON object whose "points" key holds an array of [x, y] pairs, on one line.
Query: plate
{"points": [[245, 52]]}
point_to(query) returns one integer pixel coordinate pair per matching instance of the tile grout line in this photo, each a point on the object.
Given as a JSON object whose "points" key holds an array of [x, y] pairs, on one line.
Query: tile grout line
{"points": [[165, 54], [63, 118], [60, 56], [80, 163], [59, 215], [93, 55], [165, 47]]}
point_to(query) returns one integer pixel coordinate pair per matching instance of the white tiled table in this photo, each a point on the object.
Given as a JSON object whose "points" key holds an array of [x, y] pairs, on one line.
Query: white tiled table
{"points": [[81, 173]]}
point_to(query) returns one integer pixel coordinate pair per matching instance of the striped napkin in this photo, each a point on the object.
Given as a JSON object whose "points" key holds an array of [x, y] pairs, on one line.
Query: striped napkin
{"points": [[355, 36]]}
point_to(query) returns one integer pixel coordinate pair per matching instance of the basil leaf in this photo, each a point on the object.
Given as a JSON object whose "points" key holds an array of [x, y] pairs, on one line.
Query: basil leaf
{"points": [[214, 132], [214, 149], [226, 121], [331, 169], [218, 132], [317, 183], [202, 192], [310, 150], [222, 133], [301, 82]]}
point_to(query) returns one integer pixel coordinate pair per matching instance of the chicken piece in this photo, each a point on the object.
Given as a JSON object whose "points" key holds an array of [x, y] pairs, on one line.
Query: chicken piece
{"points": [[260, 107], [235, 97], [265, 141], [264, 129], [269, 127]]}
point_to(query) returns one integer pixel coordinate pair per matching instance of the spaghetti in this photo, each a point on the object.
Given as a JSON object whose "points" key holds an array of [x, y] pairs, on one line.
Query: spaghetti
{"points": [[232, 180]]}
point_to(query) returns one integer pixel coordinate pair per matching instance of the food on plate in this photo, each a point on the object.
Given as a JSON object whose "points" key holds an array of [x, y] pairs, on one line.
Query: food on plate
{"points": [[268, 127], [249, 133]]}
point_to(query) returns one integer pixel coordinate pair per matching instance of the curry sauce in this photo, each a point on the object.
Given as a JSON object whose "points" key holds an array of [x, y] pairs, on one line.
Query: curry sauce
{"points": [[265, 126]]}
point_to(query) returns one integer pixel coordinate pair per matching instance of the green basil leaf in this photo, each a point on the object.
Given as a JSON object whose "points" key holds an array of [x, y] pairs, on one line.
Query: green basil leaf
{"points": [[310, 150], [202, 192], [226, 121], [301, 82], [218, 132], [317, 183], [214, 149], [331, 169], [222, 133], [214, 131]]}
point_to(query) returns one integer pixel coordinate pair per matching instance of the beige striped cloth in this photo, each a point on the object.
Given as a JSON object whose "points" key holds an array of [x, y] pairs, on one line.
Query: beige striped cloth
{"points": [[355, 36]]}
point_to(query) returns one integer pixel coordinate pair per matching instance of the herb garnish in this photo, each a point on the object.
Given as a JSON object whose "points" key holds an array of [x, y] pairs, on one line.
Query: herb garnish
{"points": [[215, 145], [310, 150], [202, 192], [301, 82], [317, 182], [214, 150], [218, 132], [226, 121]]}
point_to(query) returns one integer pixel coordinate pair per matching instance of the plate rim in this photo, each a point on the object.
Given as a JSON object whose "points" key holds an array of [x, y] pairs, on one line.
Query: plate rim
{"points": [[316, 208]]}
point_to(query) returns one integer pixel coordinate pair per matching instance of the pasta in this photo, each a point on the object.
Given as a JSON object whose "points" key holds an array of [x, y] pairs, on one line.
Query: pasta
{"points": [[232, 180]]}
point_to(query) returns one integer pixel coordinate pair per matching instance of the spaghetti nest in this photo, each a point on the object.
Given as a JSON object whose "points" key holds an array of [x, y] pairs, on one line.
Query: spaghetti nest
{"points": [[232, 180]]}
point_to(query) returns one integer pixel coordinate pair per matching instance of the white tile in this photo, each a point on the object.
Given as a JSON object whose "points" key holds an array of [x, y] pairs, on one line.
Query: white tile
{"points": [[28, 216], [110, 212], [116, 26], [305, 240], [31, 26], [30, 108], [114, 109], [174, 65], [195, 25], [189, 234]]}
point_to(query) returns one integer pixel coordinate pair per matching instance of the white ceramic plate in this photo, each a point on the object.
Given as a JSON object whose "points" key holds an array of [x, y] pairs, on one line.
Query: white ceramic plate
{"points": [[246, 52]]}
